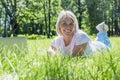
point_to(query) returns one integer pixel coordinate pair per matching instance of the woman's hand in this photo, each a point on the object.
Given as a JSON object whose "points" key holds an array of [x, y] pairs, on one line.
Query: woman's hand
{"points": [[78, 50], [51, 50]]}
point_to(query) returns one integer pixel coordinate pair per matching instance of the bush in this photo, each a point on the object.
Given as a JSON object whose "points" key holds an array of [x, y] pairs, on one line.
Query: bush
{"points": [[34, 36]]}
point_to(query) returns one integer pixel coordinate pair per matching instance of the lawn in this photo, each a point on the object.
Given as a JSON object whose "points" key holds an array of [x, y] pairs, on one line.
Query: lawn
{"points": [[35, 64]]}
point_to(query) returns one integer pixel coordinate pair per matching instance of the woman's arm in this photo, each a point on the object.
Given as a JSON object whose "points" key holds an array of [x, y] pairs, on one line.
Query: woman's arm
{"points": [[78, 50]]}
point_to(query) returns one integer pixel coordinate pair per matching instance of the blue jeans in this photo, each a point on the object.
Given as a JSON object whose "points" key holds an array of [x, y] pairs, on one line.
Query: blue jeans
{"points": [[102, 37]]}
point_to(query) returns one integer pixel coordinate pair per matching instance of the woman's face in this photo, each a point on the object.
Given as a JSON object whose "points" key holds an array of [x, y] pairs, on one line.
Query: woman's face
{"points": [[67, 27]]}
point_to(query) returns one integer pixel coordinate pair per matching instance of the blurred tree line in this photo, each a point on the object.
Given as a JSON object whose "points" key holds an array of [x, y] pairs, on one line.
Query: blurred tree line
{"points": [[39, 16]]}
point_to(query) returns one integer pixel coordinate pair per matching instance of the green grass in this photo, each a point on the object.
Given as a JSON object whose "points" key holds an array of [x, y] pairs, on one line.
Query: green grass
{"points": [[37, 65]]}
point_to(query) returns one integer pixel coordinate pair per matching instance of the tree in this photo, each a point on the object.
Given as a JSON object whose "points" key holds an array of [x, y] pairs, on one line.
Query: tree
{"points": [[10, 9], [115, 14], [51, 8], [47, 24], [80, 9], [92, 11]]}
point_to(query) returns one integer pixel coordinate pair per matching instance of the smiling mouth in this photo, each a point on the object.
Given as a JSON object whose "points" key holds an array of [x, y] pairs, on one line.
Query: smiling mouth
{"points": [[68, 31]]}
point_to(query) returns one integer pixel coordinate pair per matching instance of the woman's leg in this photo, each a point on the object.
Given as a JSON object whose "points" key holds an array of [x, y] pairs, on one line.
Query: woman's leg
{"points": [[102, 34]]}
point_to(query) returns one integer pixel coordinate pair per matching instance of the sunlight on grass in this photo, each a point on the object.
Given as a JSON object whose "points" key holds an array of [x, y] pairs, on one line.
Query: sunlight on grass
{"points": [[37, 65]]}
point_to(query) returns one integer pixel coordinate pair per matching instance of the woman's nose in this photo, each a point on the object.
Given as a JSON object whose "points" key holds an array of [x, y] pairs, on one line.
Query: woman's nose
{"points": [[68, 25]]}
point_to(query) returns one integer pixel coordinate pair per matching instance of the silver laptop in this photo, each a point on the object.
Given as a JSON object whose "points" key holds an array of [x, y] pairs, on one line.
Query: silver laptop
{"points": [[14, 43]]}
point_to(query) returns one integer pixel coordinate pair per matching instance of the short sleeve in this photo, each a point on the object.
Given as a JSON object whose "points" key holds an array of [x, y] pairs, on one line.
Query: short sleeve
{"points": [[56, 42], [82, 38], [53, 43]]}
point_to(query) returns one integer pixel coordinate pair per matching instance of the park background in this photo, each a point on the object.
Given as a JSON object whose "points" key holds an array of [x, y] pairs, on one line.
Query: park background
{"points": [[36, 19]]}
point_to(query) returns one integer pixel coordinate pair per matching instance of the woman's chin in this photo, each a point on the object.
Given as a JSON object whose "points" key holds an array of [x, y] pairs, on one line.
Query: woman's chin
{"points": [[68, 34]]}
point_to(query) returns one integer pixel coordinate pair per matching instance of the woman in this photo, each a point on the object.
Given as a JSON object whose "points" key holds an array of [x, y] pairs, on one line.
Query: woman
{"points": [[71, 40]]}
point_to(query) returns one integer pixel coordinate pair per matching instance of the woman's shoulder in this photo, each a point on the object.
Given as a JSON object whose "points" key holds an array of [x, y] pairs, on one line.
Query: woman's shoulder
{"points": [[81, 37], [81, 33], [58, 38], [56, 41]]}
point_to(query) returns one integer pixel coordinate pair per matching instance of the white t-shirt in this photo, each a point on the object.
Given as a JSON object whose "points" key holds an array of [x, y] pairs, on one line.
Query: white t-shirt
{"points": [[94, 46], [79, 38]]}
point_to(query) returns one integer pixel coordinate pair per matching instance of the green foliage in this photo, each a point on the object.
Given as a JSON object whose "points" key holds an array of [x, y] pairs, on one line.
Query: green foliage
{"points": [[45, 12], [35, 36]]}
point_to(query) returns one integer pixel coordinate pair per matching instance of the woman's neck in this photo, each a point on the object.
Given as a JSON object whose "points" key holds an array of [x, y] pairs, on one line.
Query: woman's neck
{"points": [[67, 40]]}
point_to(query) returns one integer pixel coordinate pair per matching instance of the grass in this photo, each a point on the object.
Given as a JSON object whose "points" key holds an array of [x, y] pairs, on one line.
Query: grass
{"points": [[37, 65]]}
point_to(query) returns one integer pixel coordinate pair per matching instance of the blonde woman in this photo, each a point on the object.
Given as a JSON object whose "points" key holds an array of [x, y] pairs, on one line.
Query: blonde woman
{"points": [[71, 40]]}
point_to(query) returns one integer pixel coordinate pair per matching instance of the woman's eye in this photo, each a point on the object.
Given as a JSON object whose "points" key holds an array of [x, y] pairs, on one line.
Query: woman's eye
{"points": [[64, 24], [71, 24]]}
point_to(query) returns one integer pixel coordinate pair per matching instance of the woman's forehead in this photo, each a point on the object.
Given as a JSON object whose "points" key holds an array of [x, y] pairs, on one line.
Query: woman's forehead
{"points": [[67, 19]]}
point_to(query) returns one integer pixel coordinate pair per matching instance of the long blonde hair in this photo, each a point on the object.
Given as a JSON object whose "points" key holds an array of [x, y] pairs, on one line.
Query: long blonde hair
{"points": [[62, 16]]}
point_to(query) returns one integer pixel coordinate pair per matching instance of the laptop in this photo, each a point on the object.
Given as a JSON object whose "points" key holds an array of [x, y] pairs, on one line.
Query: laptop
{"points": [[14, 43]]}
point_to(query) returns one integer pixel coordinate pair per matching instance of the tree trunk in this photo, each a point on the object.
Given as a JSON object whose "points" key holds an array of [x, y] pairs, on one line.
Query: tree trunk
{"points": [[79, 11], [46, 31], [12, 14], [117, 30], [49, 17]]}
